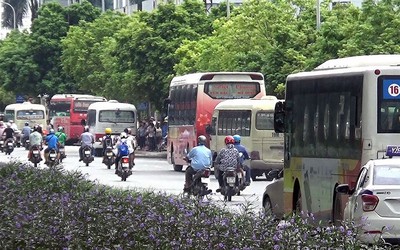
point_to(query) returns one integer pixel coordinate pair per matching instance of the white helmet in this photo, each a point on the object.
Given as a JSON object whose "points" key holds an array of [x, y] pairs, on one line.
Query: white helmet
{"points": [[123, 135]]}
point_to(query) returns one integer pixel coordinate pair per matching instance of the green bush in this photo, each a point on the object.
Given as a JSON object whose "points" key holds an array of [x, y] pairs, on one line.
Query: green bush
{"points": [[55, 209]]}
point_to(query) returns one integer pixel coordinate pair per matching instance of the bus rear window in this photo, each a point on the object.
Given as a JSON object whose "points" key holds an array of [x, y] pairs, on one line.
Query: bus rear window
{"points": [[30, 114], [232, 90], [265, 121], [117, 116], [60, 108], [82, 106]]}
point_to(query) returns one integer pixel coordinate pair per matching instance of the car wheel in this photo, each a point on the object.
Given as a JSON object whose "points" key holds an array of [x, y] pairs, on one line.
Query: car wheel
{"points": [[267, 206]]}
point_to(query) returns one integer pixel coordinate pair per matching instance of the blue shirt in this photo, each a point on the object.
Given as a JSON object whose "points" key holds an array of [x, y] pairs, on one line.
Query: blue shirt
{"points": [[52, 141], [200, 157], [242, 150]]}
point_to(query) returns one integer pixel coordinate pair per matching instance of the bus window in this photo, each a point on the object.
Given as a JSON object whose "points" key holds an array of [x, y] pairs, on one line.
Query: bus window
{"points": [[91, 117], [119, 116], [234, 122], [60, 109], [264, 120], [9, 115]]}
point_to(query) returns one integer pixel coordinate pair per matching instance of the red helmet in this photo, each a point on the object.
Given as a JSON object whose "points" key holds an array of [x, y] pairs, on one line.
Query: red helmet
{"points": [[229, 140]]}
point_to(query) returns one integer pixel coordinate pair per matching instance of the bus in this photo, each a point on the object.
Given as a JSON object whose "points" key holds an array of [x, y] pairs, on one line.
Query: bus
{"points": [[70, 112], [253, 120], [34, 114], [192, 99], [112, 114], [335, 118]]}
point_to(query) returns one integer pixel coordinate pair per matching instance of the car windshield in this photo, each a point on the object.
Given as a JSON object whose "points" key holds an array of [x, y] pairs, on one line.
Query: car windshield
{"points": [[386, 175]]}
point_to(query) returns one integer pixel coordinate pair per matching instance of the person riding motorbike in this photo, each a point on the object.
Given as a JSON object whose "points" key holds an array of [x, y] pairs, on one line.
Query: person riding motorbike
{"points": [[227, 158], [35, 139], [52, 143], [86, 139], [62, 137], [13, 125], [8, 132], [26, 131], [200, 157], [132, 140], [245, 156], [107, 141], [120, 147]]}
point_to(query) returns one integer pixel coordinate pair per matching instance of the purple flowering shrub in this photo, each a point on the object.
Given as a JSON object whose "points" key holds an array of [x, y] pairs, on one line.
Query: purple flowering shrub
{"points": [[55, 209]]}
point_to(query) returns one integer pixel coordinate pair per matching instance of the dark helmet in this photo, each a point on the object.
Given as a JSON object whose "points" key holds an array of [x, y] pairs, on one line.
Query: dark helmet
{"points": [[229, 140], [236, 138], [201, 140], [26, 123]]}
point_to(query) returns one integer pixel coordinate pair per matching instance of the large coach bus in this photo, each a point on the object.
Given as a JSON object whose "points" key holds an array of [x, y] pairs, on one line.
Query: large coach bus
{"points": [[336, 118], [253, 120], [192, 99], [69, 110]]}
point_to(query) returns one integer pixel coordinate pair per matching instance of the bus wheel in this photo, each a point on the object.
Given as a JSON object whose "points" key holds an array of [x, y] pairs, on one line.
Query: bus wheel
{"points": [[178, 168]]}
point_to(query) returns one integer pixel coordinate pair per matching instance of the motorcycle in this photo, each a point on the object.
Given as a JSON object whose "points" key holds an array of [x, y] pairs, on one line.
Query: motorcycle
{"points": [[230, 184], [53, 159], [87, 155], [1, 145], [17, 135], [201, 180], [109, 158], [9, 146], [124, 168], [61, 150], [27, 144], [241, 180], [35, 155]]}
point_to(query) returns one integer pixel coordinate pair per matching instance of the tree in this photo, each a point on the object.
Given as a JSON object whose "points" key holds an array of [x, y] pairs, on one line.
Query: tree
{"points": [[21, 9]]}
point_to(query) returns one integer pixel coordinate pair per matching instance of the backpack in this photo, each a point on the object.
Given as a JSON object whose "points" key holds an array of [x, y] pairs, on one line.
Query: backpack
{"points": [[123, 149]]}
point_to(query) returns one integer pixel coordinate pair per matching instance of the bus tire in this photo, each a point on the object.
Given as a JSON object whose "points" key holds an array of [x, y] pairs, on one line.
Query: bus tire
{"points": [[337, 216], [178, 168]]}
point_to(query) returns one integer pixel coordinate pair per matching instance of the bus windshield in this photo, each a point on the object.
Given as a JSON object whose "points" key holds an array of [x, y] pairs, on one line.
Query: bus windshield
{"points": [[82, 106], [116, 116], [61, 108]]}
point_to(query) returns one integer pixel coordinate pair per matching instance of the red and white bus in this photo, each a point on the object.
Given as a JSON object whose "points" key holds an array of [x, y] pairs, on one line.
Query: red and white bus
{"points": [[192, 99], [68, 111]]}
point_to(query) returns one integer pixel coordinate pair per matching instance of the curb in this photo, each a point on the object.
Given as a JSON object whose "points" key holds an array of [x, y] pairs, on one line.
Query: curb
{"points": [[151, 155]]}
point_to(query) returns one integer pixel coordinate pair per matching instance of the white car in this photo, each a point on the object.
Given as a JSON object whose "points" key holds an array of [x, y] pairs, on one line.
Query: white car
{"points": [[272, 199], [374, 203]]}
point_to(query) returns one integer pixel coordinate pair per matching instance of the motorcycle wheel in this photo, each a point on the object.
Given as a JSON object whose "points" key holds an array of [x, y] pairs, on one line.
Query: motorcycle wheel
{"points": [[61, 159], [123, 176], [35, 164], [108, 166], [87, 164]]}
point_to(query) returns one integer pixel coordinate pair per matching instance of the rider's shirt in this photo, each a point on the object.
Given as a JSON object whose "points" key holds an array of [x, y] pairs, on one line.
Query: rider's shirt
{"points": [[26, 131], [242, 150], [35, 138], [87, 139], [9, 133], [62, 137], [200, 157], [228, 158], [52, 141]]}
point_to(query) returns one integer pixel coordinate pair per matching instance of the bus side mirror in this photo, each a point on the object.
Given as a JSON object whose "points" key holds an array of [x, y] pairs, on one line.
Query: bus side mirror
{"points": [[279, 117], [83, 122], [209, 129]]}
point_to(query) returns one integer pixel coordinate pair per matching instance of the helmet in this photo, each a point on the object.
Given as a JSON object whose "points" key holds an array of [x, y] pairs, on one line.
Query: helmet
{"points": [[201, 140], [108, 131], [51, 131], [10, 121], [60, 129], [123, 135], [8, 125], [128, 131], [86, 129], [229, 140], [26, 123], [236, 138]]}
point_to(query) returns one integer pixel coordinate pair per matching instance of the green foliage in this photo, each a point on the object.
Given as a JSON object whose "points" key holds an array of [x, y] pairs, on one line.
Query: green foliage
{"points": [[55, 209]]}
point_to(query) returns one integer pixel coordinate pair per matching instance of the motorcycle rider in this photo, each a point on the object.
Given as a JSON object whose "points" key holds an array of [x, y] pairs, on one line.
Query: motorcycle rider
{"points": [[200, 158], [131, 140], [86, 139], [227, 158], [62, 137], [122, 141], [51, 141], [107, 141], [13, 125], [35, 138], [8, 132], [26, 131], [245, 156]]}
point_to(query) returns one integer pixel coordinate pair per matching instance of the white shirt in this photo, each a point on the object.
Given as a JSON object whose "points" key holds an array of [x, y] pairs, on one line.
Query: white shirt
{"points": [[129, 143]]}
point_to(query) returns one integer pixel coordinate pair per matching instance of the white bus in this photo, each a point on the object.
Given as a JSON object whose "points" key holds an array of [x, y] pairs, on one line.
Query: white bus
{"points": [[253, 120], [336, 118], [112, 114], [26, 112]]}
